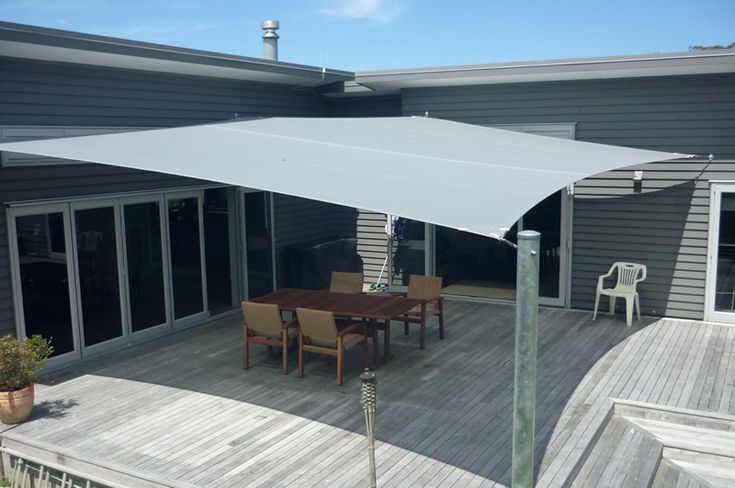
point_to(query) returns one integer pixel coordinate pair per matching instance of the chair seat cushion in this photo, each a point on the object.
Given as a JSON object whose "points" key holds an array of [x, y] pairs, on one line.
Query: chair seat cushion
{"points": [[431, 309], [350, 340], [292, 333]]}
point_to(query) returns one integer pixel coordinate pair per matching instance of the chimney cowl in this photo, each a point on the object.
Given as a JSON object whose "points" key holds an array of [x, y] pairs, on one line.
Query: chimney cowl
{"points": [[270, 39]]}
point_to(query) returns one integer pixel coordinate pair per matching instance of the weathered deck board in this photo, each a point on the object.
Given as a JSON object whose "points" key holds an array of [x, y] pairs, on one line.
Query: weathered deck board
{"points": [[181, 406]]}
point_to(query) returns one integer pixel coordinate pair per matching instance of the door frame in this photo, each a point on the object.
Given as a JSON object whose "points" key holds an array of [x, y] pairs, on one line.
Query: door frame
{"points": [[198, 317], [12, 214], [713, 237], [125, 328], [243, 242], [166, 326]]}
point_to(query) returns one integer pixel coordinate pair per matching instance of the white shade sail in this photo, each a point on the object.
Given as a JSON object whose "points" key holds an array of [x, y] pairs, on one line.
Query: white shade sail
{"points": [[456, 175]]}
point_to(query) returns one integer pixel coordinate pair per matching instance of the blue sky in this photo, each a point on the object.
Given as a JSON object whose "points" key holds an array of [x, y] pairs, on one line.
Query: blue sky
{"points": [[382, 34]]}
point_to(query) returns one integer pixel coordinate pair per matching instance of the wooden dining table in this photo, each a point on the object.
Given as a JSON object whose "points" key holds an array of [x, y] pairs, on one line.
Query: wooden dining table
{"points": [[374, 307]]}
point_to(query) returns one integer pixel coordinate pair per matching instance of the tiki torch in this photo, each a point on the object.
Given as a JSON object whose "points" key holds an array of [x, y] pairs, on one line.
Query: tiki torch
{"points": [[368, 397]]}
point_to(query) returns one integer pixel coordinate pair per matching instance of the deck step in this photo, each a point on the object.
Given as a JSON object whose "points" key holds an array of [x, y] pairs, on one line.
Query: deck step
{"points": [[660, 447], [16, 447]]}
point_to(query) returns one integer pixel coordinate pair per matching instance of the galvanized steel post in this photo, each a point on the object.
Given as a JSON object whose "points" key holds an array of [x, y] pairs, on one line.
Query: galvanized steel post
{"points": [[524, 389]]}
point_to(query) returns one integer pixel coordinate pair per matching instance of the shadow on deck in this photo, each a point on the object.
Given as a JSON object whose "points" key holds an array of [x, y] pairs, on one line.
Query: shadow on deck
{"points": [[182, 407]]}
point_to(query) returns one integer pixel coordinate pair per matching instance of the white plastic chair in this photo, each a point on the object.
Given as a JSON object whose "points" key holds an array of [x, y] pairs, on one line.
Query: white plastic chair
{"points": [[628, 279]]}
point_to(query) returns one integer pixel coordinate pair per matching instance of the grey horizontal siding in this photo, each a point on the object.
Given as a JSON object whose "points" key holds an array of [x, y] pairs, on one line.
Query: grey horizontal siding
{"points": [[688, 114], [56, 94], [665, 226], [34, 93], [365, 107], [372, 244], [299, 221]]}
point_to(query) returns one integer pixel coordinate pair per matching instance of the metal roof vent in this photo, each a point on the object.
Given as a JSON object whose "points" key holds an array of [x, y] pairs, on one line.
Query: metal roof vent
{"points": [[270, 39]]}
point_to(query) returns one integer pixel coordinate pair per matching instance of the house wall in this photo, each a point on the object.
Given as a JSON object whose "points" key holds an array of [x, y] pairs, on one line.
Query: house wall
{"points": [[664, 226], [35, 93], [370, 226]]}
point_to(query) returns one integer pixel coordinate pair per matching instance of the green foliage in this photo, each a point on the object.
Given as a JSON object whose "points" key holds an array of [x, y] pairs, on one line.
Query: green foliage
{"points": [[20, 361], [5, 482], [711, 48]]}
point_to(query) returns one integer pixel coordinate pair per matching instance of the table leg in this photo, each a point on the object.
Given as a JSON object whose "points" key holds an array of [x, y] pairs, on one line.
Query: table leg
{"points": [[386, 340], [376, 346]]}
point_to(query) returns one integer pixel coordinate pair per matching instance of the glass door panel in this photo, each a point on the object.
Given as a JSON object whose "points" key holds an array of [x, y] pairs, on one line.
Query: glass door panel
{"points": [[546, 218], [724, 297], [98, 274], [474, 265], [145, 265], [43, 271], [258, 243], [407, 250], [219, 247], [187, 278], [478, 266]]}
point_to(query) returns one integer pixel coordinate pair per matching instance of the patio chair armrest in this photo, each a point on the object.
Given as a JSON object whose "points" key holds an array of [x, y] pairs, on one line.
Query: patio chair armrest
{"points": [[354, 328], [601, 280]]}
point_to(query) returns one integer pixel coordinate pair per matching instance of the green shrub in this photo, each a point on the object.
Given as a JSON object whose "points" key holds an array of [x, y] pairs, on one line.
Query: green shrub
{"points": [[20, 361]]}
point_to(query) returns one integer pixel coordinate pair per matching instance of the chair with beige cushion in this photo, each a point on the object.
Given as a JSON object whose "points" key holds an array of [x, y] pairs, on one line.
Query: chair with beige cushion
{"points": [[318, 333], [263, 325], [343, 282], [428, 289]]}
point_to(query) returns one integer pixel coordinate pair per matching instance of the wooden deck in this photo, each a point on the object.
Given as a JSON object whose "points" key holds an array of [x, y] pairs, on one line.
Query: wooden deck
{"points": [[181, 407]]}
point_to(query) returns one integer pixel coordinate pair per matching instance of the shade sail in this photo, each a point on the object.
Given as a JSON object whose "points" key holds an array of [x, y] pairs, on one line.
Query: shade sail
{"points": [[457, 175]]}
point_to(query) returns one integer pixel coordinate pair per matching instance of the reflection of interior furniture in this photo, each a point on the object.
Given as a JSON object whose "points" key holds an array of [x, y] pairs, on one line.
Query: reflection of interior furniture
{"points": [[263, 325], [408, 259], [428, 290], [628, 279], [309, 265], [342, 282], [318, 333]]}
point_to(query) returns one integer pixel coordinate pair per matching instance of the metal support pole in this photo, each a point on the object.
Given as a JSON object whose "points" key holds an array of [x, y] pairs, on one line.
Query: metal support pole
{"points": [[524, 389], [368, 398]]}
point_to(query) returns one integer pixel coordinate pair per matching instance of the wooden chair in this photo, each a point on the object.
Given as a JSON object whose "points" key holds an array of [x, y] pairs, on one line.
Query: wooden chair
{"points": [[263, 325], [318, 333], [342, 282], [428, 289]]}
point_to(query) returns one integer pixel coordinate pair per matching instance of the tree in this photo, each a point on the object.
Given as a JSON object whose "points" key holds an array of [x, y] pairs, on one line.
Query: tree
{"points": [[710, 48]]}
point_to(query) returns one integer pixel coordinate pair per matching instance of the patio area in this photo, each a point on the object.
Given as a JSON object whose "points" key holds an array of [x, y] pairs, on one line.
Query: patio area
{"points": [[181, 408]]}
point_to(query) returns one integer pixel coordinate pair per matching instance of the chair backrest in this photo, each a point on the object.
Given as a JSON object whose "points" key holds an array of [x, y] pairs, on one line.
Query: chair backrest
{"points": [[263, 319], [319, 326], [346, 282], [628, 274], [424, 287]]}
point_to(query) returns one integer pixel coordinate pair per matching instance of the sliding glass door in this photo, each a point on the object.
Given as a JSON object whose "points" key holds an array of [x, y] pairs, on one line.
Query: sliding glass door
{"points": [[98, 263], [186, 244], [482, 267], [258, 238], [43, 277], [720, 277], [145, 262]]}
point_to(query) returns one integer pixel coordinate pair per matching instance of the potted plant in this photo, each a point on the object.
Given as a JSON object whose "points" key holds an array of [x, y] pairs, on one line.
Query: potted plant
{"points": [[20, 362]]}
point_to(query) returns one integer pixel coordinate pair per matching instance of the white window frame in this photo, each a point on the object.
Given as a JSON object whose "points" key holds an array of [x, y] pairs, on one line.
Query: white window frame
{"points": [[713, 237], [62, 208]]}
